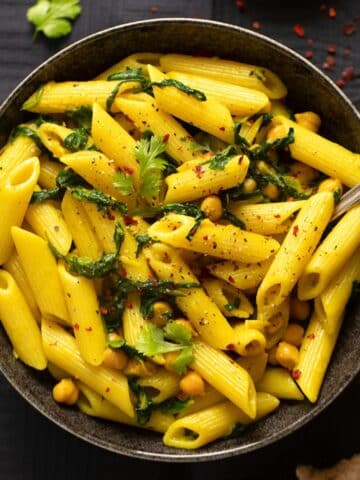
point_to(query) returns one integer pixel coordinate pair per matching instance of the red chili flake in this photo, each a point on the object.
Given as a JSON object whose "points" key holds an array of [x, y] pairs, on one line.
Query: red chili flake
{"points": [[277, 215], [299, 30], [130, 220], [348, 74], [296, 374], [295, 230], [104, 311], [128, 170], [310, 42], [76, 326], [340, 83], [222, 129], [166, 138], [329, 63], [309, 54], [88, 329], [240, 5], [290, 199], [346, 51], [231, 279], [230, 346], [205, 237], [323, 7], [110, 216], [311, 336], [349, 29], [154, 9], [331, 48], [240, 159], [107, 390], [199, 171], [256, 25], [122, 272], [332, 12], [258, 217], [128, 305]]}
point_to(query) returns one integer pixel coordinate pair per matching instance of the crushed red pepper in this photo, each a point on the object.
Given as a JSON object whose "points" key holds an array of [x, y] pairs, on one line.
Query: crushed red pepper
{"points": [[309, 54], [311, 336], [332, 12], [76, 326], [299, 30], [256, 25], [88, 329], [331, 48], [349, 29], [231, 279], [166, 138], [240, 5], [296, 374], [295, 230], [130, 220]]}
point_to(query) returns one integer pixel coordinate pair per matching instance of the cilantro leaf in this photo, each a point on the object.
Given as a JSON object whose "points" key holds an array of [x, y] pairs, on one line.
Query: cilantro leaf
{"points": [[76, 140], [151, 342], [175, 405], [52, 17], [177, 333], [183, 360], [124, 183], [151, 165]]}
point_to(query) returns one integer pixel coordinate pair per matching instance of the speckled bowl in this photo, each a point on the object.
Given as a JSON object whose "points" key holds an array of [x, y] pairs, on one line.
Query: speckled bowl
{"points": [[309, 88]]}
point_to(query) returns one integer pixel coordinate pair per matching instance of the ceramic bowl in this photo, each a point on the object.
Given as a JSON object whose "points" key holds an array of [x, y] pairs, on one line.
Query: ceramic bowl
{"points": [[309, 89]]}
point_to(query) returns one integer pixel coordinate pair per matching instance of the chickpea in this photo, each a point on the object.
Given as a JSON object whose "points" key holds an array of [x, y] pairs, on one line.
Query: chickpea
{"points": [[276, 132], [192, 384], [299, 309], [303, 173], [66, 391], [272, 356], [212, 207], [293, 334], [186, 324], [309, 120], [287, 355], [162, 313], [170, 359], [330, 185], [249, 185], [271, 191], [114, 337], [140, 368], [262, 167], [115, 359]]}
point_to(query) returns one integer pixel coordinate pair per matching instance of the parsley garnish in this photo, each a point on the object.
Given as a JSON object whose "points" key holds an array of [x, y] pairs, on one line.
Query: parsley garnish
{"points": [[220, 160], [76, 140], [52, 17]]}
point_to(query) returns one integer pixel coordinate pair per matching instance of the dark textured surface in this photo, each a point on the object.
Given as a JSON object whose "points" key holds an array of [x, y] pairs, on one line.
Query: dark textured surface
{"points": [[82, 458]]}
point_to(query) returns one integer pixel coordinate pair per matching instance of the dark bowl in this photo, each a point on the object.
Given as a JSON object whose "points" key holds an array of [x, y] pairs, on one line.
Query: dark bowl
{"points": [[309, 88]]}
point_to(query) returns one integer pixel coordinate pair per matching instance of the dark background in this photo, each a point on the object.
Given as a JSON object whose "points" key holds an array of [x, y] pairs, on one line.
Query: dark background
{"points": [[32, 448]]}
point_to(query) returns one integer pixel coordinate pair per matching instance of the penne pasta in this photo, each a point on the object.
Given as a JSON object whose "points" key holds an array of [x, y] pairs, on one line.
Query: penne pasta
{"points": [[241, 275], [278, 382]]}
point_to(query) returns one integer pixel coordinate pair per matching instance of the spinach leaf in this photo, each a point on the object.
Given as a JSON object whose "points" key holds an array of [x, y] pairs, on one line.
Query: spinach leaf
{"points": [[23, 130], [76, 140], [220, 160], [169, 82]]}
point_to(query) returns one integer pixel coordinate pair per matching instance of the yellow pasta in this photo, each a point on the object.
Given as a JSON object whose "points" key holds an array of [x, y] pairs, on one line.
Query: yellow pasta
{"points": [[49, 170], [315, 354], [250, 342], [322, 154], [15, 195], [266, 218], [331, 303], [278, 382], [136, 60], [61, 349], [223, 241], [19, 323], [302, 238], [200, 428], [41, 270], [254, 365], [331, 255], [141, 109], [239, 100], [161, 385], [53, 137], [83, 307], [211, 397], [241, 275], [201, 180], [133, 321], [250, 76], [209, 115]]}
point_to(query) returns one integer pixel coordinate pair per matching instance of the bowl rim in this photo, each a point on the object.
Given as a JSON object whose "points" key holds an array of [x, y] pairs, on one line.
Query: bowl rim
{"points": [[198, 455]]}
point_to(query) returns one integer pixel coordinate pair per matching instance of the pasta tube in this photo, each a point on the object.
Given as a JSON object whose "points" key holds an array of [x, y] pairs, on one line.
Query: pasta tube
{"points": [[41, 270], [226, 376], [331, 255], [278, 382], [315, 354], [19, 323], [15, 195], [250, 342], [136, 60], [322, 154], [209, 115], [61, 349], [241, 275], [49, 170], [223, 241], [194, 303], [200, 402], [141, 109], [331, 303], [201, 428], [201, 180], [239, 100], [161, 385], [266, 218], [53, 137], [250, 76], [302, 238], [255, 365], [14, 153], [83, 307], [95, 405], [133, 321]]}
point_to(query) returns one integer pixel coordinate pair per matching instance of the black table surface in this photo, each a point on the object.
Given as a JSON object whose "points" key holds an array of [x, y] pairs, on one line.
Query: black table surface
{"points": [[31, 447]]}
